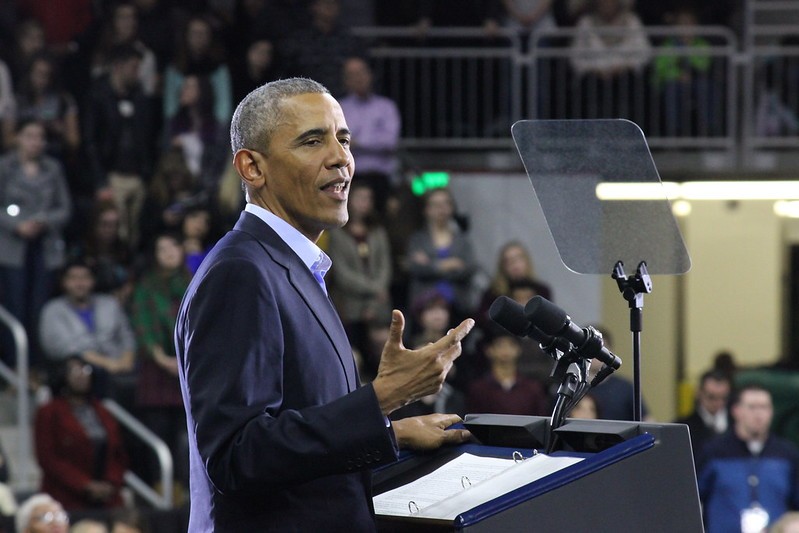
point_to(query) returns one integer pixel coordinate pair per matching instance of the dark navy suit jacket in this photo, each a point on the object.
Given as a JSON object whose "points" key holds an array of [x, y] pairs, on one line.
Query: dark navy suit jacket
{"points": [[281, 437]]}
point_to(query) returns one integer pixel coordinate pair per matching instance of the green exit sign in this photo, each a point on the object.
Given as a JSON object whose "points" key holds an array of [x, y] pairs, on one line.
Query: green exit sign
{"points": [[429, 180]]}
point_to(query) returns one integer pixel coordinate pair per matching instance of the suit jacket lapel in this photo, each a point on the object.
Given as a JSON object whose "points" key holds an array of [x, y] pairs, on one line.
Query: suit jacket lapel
{"points": [[307, 287]]}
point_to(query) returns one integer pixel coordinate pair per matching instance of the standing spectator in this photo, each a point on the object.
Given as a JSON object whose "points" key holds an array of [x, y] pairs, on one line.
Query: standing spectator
{"points": [[362, 273], [440, 255], [40, 98], [155, 306], [608, 51], [375, 125], [199, 54], [683, 81], [38, 206], [503, 390], [710, 417], [119, 137], [91, 325], [196, 131], [748, 477], [40, 513], [122, 27], [78, 443], [319, 51]]}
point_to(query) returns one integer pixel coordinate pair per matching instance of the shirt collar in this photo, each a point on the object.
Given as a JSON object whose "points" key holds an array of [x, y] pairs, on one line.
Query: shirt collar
{"points": [[309, 253]]}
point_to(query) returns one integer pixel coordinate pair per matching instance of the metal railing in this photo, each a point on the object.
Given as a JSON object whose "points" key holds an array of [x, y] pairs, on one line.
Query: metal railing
{"points": [[22, 471], [463, 87], [153, 441]]}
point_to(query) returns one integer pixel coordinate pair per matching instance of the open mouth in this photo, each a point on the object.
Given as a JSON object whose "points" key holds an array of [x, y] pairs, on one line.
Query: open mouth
{"points": [[337, 187]]}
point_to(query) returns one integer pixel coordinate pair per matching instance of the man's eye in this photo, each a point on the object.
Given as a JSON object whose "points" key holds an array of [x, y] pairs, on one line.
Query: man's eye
{"points": [[345, 141]]}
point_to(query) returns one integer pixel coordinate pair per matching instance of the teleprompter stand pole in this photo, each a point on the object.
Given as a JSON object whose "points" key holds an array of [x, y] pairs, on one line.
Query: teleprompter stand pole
{"points": [[633, 289]]}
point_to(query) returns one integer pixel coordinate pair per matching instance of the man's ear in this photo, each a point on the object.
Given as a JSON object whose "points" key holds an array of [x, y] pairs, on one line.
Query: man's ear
{"points": [[249, 165]]}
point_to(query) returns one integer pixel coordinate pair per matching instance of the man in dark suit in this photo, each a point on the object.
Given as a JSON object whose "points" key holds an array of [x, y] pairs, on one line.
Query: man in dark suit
{"points": [[281, 435], [710, 417]]}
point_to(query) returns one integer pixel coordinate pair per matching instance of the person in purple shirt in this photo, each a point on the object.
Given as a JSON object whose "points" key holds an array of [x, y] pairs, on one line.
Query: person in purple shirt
{"points": [[375, 125]]}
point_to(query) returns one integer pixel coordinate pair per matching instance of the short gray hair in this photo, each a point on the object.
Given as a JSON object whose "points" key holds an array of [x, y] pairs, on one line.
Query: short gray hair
{"points": [[258, 114], [23, 518]]}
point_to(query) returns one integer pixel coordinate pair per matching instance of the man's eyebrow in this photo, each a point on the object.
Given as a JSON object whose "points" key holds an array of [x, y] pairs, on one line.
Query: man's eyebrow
{"points": [[316, 132]]}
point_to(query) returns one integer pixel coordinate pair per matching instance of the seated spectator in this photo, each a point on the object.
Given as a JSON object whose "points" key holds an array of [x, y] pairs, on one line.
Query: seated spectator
{"points": [[128, 521], [503, 390], [28, 42], [88, 525], [40, 513], [513, 264], [79, 443], [431, 312], [38, 206], [108, 256], [199, 54], [440, 255], [747, 477], [196, 236], [375, 124], [94, 326], [710, 417], [172, 191], [585, 408], [360, 277], [615, 396]]}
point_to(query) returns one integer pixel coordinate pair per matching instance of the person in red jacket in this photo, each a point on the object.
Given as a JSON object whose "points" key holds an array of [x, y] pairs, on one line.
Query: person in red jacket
{"points": [[78, 443]]}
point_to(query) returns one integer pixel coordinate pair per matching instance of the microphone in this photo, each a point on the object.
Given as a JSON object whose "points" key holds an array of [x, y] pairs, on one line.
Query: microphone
{"points": [[552, 320], [510, 315]]}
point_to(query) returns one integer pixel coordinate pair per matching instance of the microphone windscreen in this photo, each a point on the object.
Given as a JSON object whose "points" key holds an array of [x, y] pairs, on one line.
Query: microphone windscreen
{"points": [[545, 315], [509, 314]]}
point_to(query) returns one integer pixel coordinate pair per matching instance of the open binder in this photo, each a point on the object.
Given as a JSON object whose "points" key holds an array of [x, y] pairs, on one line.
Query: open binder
{"points": [[611, 476], [465, 482]]}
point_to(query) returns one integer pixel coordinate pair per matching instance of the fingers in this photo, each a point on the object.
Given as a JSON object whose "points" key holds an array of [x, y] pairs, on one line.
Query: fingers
{"points": [[397, 328], [456, 436], [456, 335]]}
